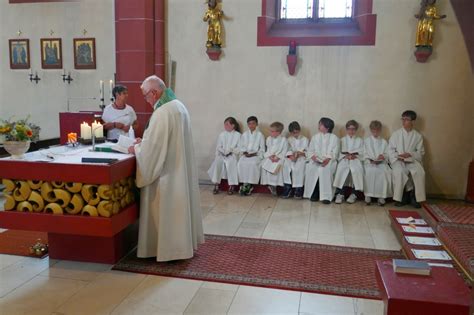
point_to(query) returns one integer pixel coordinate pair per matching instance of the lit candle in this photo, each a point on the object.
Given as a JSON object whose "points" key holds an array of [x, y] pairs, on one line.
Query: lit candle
{"points": [[111, 83], [101, 89], [85, 131], [98, 129]]}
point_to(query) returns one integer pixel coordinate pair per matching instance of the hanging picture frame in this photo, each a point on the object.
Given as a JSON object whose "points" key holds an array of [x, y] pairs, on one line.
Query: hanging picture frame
{"points": [[84, 53], [19, 51], [51, 53]]}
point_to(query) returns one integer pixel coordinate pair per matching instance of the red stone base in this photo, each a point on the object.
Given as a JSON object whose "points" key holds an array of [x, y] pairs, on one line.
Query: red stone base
{"points": [[423, 53], [214, 53]]}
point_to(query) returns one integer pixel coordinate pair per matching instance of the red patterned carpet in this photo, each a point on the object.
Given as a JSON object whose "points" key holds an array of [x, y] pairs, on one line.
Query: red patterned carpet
{"points": [[462, 214], [15, 242], [275, 264]]}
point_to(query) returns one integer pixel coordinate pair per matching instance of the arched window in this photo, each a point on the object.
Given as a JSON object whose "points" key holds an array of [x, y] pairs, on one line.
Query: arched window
{"points": [[316, 22]]}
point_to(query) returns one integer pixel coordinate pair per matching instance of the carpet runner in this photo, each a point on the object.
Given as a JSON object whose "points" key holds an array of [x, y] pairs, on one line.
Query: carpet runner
{"points": [[276, 264], [462, 214], [16, 242]]}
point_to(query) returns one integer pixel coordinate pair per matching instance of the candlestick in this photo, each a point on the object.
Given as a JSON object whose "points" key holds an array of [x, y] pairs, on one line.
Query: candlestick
{"points": [[85, 131], [101, 89]]}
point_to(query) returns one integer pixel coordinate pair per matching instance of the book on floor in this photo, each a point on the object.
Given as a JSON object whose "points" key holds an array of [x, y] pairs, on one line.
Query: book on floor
{"points": [[414, 267], [411, 220], [431, 254], [440, 265], [417, 229], [428, 241]]}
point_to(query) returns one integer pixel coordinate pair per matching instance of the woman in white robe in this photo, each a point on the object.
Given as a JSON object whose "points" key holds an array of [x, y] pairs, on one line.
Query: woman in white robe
{"points": [[378, 175], [227, 153], [349, 168], [170, 211], [295, 162], [321, 164], [406, 152], [252, 148], [277, 145]]}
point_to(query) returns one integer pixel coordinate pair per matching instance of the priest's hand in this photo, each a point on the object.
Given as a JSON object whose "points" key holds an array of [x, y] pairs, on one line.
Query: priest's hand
{"points": [[131, 149]]}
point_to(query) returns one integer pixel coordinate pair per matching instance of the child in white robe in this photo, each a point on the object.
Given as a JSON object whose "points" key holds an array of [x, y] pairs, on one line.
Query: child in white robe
{"points": [[295, 162], [252, 148], [227, 152], [406, 152], [277, 145], [321, 164], [378, 175], [350, 172]]}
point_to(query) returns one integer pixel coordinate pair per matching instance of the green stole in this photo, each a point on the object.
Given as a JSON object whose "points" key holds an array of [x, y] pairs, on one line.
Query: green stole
{"points": [[166, 97]]}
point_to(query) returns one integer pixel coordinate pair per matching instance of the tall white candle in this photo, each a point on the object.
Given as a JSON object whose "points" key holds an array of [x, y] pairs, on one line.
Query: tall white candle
{"points": [[101, 89], [85, 131], [98, 129], [111, 83]]}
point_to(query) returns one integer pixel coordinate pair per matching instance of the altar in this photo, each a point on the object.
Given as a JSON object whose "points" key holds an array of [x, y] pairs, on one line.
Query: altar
{"points": [[89, 210]]}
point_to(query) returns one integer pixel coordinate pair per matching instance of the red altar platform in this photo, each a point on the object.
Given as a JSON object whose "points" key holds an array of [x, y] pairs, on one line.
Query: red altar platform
{"points": [[441, 293], [76, 237]]}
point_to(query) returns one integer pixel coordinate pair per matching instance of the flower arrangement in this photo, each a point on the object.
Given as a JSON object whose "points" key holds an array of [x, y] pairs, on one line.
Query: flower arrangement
{"points": [[20, 130]]}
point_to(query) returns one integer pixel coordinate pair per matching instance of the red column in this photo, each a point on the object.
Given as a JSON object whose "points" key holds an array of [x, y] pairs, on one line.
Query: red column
{"points": [[160, 38], [135, 47]]}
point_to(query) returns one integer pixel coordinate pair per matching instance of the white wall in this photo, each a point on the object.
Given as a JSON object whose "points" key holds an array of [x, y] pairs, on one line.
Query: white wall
{"points": [[43, 101], [360, 82]]}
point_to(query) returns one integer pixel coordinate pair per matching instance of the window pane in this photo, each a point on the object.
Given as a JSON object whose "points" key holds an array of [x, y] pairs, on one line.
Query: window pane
{"points": [[296, 9], [335, 8]]}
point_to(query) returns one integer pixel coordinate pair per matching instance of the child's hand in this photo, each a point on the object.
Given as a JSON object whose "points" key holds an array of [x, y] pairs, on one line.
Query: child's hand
{"points": [[292, 158], [381, 157], [325, 162], [314, 158]]}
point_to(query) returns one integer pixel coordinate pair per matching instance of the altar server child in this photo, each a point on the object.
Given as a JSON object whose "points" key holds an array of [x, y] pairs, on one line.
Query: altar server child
{"points": [[252, 148], [272, 164], [406, 152], [227, 152], [295, 162], [321, 163], [378, 175], [350, 171]]}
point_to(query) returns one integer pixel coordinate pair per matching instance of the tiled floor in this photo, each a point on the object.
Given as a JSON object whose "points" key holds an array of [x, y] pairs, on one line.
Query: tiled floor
{"points": [[33, 286]]}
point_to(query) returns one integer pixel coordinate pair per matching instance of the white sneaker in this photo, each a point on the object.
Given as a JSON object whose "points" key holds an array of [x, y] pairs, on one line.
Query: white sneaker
{"points": [[339, 198], [368, 200], [381, 201], [352, 198], [273, 190]]}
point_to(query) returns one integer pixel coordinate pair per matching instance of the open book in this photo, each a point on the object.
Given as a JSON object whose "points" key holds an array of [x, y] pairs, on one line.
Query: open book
{"points": [[272, 167], [123, 144]]}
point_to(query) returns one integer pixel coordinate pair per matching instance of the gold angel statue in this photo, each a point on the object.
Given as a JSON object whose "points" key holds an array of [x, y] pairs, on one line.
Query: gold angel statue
{"points": [[213, 17], [426, 17]]}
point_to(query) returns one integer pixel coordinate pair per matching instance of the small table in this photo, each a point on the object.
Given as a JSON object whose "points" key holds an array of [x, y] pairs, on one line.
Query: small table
{"points": [[441, 293]]}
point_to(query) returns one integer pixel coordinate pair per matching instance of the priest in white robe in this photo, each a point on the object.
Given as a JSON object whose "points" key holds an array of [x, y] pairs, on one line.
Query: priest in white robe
{"points": [[321, 158], [295, 162], [349, 168], [378, 175], [170, 211], [277, 145], [406, 152], [252, 148], [224, 165]]}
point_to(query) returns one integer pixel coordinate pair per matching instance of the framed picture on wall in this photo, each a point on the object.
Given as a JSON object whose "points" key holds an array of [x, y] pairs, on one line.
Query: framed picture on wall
{"points": [[51, 53], [19, 53], [84, 53]]}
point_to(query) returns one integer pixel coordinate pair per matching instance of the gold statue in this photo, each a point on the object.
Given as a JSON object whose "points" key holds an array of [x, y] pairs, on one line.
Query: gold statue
{"points": [[213, 18], [426, 17]]}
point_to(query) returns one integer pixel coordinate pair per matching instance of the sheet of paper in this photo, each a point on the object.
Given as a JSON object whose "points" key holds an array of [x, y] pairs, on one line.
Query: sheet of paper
{"points": [[414, 221], [431, 254], [417, 229], [428, 241]]}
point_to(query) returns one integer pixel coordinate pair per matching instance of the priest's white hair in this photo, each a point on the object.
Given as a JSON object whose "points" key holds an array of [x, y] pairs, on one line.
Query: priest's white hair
{"points": [[153, 83]]}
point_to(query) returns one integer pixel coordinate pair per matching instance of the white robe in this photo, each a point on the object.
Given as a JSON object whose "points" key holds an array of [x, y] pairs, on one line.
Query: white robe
{"points": [[354, 167], [378, 177], [411, 142], [275, 146], [249, 167], [226, 166], [170, 211], [293, 171], [323, 146]]}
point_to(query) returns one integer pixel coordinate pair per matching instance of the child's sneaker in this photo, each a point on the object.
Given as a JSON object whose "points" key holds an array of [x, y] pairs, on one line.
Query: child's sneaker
{"points": [[339, 198], [287, 191], [249, 190], [381, 202], [242, 190], [216, 189], [368, 200], [231, 190], [352, 198], [299, 193], [272, 189]]}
